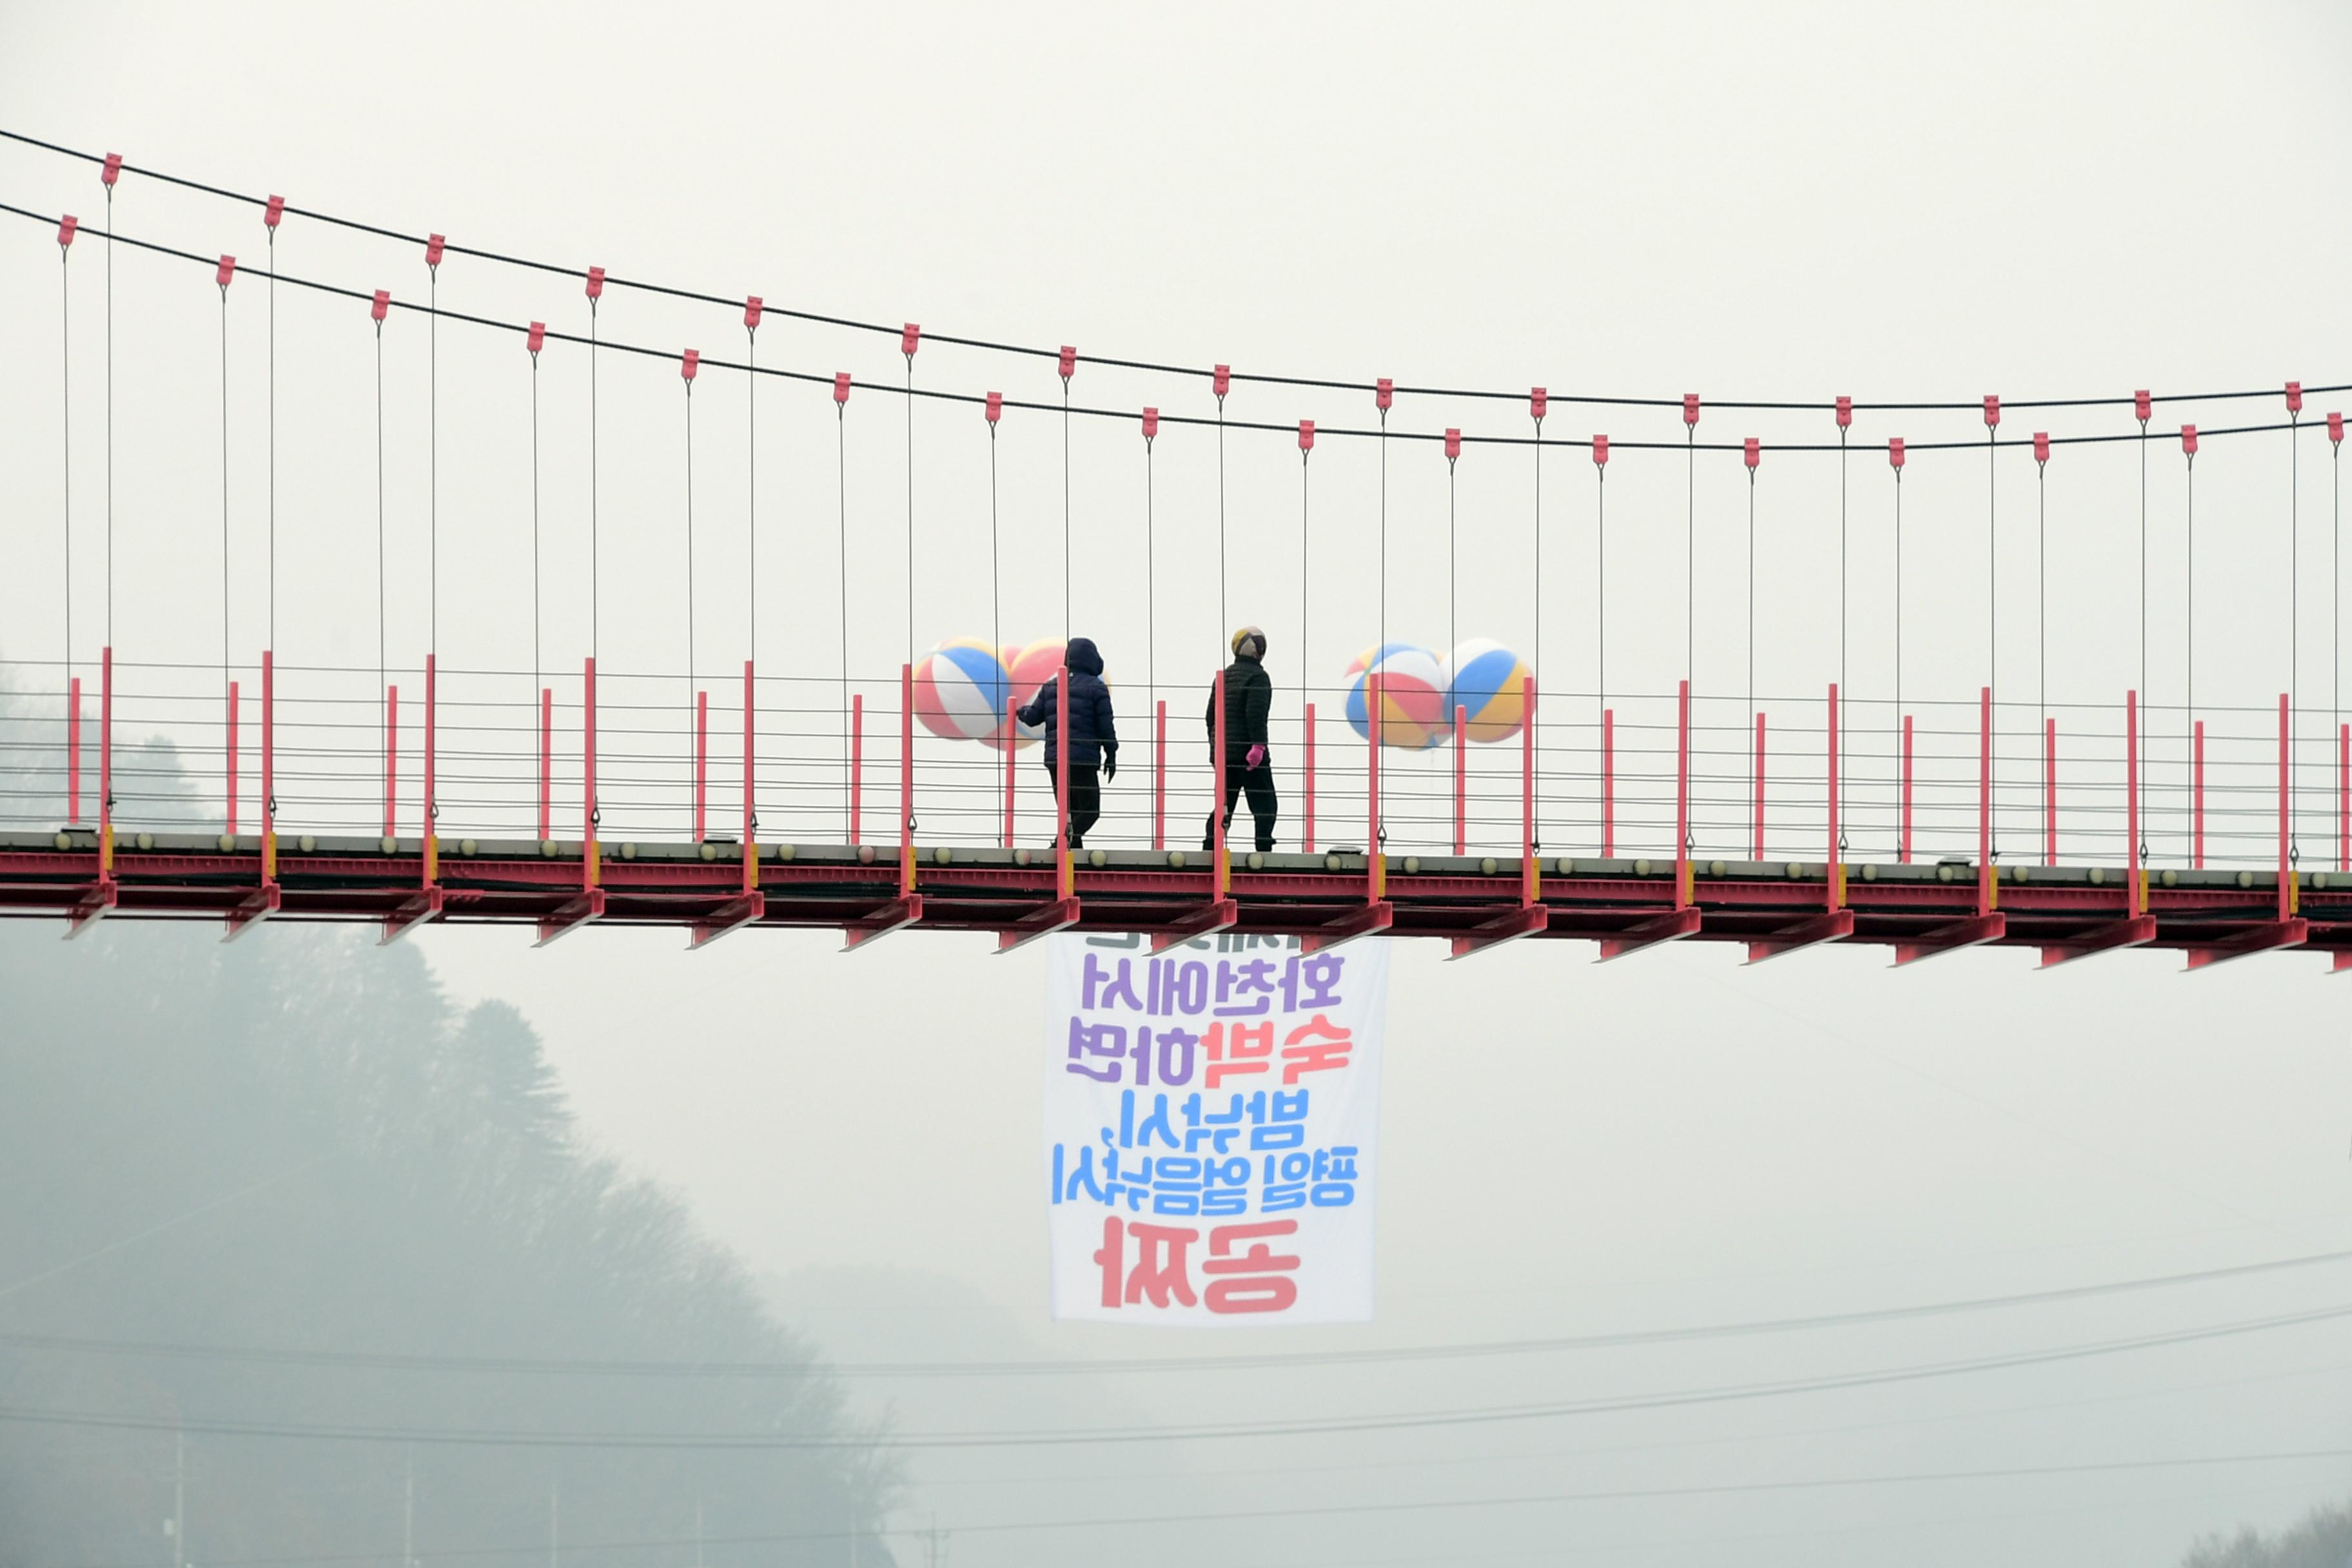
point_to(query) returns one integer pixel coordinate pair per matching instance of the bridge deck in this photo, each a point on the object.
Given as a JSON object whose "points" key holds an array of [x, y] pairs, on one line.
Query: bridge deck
{"points": [[1624, 904]]}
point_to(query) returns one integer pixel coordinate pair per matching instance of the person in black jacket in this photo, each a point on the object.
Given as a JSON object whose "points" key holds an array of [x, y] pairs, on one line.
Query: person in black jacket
{"points": [[1249, 698], [1093, 739]]}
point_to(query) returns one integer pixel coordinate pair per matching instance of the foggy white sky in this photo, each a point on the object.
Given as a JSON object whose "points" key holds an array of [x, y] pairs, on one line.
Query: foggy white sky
{"points": [[1895, 202]]}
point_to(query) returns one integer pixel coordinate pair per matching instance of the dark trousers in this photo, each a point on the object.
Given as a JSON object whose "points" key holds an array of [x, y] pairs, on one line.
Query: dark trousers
{"points": [[1258, 782], [1086, 798]]}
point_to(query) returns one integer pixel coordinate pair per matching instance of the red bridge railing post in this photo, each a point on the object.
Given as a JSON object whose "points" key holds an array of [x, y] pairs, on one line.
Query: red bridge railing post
{"points": [[231, 758], [750, 812], [1988, 884], [432, 840], [906, 779], [73, 752], [546, 763], [1531, 868], [2197, 802], [1011, 755], [105, 763], [1309, 734], [2135, 878], [1608, 784], [2344, 797], [1223, 867], [268, 766], [1461, 780], [591, 819], [1757, 815], [1376, 859], [1064, 868], [1160, 775], [2288, 892], [2050, 792], [1836, 867], [391, 759], [1903, 850], [1681, 795], [702, 763]]}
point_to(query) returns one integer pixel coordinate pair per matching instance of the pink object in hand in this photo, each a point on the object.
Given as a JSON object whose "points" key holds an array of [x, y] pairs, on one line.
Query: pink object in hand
{"points": [[1255, 758]]}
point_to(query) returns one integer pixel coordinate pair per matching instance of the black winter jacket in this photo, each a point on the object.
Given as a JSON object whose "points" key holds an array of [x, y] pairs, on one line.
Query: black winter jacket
{"points": [[1092, 732], [1249, 698]]}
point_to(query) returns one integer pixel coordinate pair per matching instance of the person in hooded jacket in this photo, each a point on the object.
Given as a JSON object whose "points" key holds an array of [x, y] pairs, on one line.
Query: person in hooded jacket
{"points": [[1093, 740], [1249, 698]]}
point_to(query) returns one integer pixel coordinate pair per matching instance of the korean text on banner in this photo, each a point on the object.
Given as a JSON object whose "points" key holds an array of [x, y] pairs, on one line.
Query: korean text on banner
{"points": [[1211, 1120]]}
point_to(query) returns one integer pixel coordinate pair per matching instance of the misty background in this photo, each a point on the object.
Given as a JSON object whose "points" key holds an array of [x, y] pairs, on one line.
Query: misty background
{"points": [[772, 1154]]}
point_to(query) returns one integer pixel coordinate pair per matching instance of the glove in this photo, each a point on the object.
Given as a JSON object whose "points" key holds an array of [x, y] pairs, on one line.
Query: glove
{"points": [[1254, 758], [1110, 764]]}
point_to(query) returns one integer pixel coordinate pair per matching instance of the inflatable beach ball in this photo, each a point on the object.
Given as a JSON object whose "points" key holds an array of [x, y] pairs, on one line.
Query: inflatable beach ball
{"points": [[1485, 678], [960, 690], [1027, 669], [1412, 690]]}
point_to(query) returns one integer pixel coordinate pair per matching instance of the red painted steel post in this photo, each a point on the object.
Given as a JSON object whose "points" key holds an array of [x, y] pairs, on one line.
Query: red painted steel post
{"points": [[1903, 851], [1461, 780], [589, 816], [1835, 877], [2050, 792], [2344, 797], [73, 751], [268, 766], [1064, 872], [1531, 869], [431, 842], [1987, 894], [1608, 784], [751, 813], [1222, 869], [1759, 824], [907, 779], [1310, 779], [2287, 899], [105, 762], [2197, 802], [857, 761], [2134, 879], [1682, 795], [546, 762], [1012, 756], [702, 763], [1376, 859], [391, 759], [1159, 776], [231, 754]]}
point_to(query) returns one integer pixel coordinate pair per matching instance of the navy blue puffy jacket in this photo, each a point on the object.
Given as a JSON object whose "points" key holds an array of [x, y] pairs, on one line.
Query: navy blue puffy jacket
{"points": [[1092, 732]]}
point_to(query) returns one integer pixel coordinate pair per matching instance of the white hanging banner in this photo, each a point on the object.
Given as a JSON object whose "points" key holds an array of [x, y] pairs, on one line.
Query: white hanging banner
{"points": [[1211, 1114]]}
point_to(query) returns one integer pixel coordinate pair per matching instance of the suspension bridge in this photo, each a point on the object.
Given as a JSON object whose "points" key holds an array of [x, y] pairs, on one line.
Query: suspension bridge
{"points": [[417, 791]]}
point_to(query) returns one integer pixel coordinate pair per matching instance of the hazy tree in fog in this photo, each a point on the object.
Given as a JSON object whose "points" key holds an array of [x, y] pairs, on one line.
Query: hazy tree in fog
{"points": [[2322, 1539]]}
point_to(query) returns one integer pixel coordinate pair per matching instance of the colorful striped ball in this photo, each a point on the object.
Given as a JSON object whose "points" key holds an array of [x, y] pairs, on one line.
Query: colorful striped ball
{"points": [[1486, 680], [1411, 691], [960, 689]]}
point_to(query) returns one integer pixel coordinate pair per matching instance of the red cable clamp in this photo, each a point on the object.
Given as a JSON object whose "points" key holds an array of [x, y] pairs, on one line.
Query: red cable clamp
{"points": [[2042, 446], [1844, 412], [2139, 406], [910, 338], [65, 226], [995, 407], [1690, 408], [595, 283], [433, 246], [2295, 397], [1150, 423], [1306, 435], [1452, 443], [1601, 451], [1754, 453], [1221, 381], [1992, 413], [751, 307], [1383, 392], [275, 210], [840, 387], [1538, 404], [382, 303], [2188, 439], [689, 364], [536, 338], [227, 271], [2336, 429], [112, 171], [1069, 361], [1895, 454]]}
